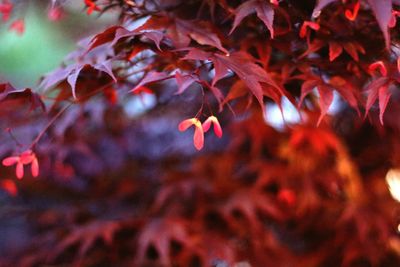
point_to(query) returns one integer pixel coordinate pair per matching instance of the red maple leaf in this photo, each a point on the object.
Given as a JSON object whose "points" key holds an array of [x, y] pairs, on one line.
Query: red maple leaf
{"points": [[265, 12]]}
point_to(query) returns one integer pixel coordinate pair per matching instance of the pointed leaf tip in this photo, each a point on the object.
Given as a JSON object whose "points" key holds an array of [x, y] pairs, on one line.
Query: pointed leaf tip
{"points": [[378, 65], [335, 50], [382, 10], [384, 96]]}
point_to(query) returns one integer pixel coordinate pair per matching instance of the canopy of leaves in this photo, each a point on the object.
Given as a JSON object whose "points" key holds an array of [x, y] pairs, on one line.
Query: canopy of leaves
{"points": [[120, 185]]}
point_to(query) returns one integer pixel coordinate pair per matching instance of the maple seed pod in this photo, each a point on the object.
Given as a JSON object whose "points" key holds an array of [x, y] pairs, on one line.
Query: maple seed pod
{"points": [[25, 158], [351, 15], [378, 65], [198, 137], [217, 126], [19, 171], [35, 167], [392, 21], [308, 24]]}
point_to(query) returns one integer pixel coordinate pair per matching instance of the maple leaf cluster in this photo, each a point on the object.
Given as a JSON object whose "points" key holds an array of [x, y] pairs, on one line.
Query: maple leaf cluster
{"points": [[120, 183]]}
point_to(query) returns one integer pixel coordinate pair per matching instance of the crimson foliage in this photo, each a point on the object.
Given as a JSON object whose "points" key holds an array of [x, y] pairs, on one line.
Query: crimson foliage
{"points": [[123, 188]]}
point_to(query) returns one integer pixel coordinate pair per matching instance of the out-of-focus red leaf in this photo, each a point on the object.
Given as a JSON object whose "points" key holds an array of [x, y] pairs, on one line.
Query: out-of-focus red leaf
{"points": [[201, 32], [237, 90], [378, 88], [325, 95], [378, 65], [111, 95], [8, 92], [71, 74], [197, 54], [351, 49], [221, 70], [18, 26], [287, 196], [384, 96], [6, 8], [325, 90], [183, 81], [55, 13], [241, 12], [346, 90], [242, 65], [307, 87], [264, 10], [313, 46], [151, 77], [249, 203], [325, 100], [86, 235], [318, 139], [250, 73], [180, 31], [159, 233], [266, 13], [335, 49], [143, 90], [321, 4], [9, 186], [135, 51], [155, 36], [73, 77], [112, 34], [105, 66]]}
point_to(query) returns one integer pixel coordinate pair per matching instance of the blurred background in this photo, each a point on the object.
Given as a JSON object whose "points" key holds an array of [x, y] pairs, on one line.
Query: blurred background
{"points": [[47, 39], [121, 182]]}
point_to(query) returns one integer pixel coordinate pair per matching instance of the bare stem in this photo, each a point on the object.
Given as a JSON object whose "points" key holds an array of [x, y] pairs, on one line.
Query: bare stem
{"points": [[49, 124]]}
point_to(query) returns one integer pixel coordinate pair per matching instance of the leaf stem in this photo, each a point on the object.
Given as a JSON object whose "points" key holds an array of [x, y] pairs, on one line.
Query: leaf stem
{"points": [[40, 135]]}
